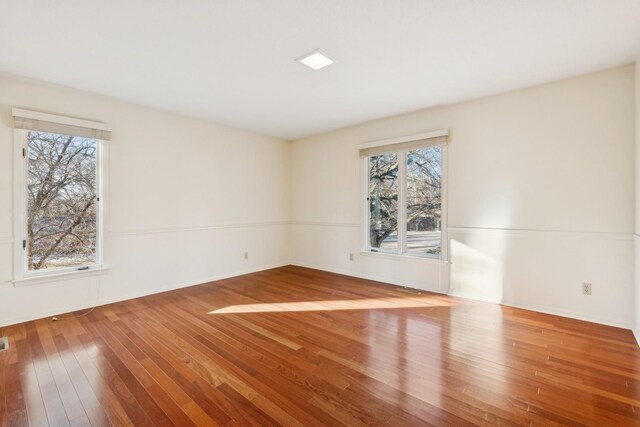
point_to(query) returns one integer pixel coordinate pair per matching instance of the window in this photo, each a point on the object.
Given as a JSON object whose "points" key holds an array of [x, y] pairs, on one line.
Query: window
{"points": [[404, 196], [62, 193], [58, 195], [383, 202]]}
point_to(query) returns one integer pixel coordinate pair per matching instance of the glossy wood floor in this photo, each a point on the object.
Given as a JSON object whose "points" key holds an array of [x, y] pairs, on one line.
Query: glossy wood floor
{"points": [[299, 347]]}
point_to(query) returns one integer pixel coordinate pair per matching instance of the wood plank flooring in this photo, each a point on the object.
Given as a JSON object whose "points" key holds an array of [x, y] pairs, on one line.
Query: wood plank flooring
{"points": [[299, 347]]}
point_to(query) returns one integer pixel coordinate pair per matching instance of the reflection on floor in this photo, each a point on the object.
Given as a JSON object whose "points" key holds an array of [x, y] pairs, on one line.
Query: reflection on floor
{"points": [[294, 346]]}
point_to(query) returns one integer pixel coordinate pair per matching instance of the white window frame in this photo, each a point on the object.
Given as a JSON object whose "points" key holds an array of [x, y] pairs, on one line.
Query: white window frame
{"points": [[22, 275], [402, 209]]}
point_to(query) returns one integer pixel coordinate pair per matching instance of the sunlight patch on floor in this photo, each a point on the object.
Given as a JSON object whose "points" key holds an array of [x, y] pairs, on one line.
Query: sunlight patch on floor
{"points": [[329, 305]]}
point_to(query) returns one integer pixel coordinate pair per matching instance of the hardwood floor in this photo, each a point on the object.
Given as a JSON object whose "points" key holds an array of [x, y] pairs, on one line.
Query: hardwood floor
{"points": [[299, 347]]}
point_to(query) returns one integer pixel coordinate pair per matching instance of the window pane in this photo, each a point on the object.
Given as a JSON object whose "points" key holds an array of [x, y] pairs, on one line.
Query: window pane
{"points": [[61, 201], [383, 202], [424, 177]]}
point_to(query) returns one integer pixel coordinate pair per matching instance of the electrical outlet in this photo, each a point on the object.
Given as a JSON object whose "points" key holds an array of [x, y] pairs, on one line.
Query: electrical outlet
{"points": [[246, 255], [350, 257], [587, 288]]}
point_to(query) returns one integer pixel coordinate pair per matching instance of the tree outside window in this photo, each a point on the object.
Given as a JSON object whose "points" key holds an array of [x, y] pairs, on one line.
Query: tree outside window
{"points": [[421, 207], [61, 201]]}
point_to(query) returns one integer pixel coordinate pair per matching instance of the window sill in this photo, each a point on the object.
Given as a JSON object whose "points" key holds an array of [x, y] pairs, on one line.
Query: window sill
{"points": [[404, 258], [56, 277]]}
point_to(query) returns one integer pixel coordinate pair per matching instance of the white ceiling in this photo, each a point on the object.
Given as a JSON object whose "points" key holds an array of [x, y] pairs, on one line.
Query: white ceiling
{"points": [[231, 61]]}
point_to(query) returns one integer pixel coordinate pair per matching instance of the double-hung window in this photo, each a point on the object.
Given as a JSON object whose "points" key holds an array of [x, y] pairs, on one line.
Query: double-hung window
{"points": [[405, 195], [58, 194]]}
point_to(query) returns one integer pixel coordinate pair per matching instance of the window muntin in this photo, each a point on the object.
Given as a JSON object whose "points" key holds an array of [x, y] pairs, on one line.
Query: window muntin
{"points": [[412, 226], [61, 195]]}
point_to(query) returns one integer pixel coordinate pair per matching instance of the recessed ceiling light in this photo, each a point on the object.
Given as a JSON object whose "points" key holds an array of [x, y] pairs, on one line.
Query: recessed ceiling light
{"points": [[316, 60]]}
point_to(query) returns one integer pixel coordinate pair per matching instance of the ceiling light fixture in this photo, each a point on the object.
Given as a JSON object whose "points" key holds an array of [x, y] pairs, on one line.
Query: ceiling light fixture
{"points": [[316, 60]]}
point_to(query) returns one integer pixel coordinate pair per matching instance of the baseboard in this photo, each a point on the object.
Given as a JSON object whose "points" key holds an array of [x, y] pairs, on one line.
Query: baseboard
{"points": [[540, 309], [105, 301], [381, 279], [372, 277], [573, 315], [553, 311]]}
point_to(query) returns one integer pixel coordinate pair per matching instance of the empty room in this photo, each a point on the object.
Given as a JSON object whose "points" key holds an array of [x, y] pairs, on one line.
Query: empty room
{"points": [[319, 213]]}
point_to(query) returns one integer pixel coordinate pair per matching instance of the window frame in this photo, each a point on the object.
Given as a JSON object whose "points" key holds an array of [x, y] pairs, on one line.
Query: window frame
{"points": [[21, 271], [401, 252]]}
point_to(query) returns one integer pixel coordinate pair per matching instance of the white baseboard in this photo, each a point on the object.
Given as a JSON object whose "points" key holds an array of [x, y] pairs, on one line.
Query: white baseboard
{"points": [[552, 311], [572, 314], [541, 309], [147, 292], [382, 279]]}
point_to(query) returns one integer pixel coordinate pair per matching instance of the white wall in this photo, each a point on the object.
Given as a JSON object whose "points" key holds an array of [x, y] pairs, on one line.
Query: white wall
{"points": [[636, 235], [186, 199], [541, 198]]}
